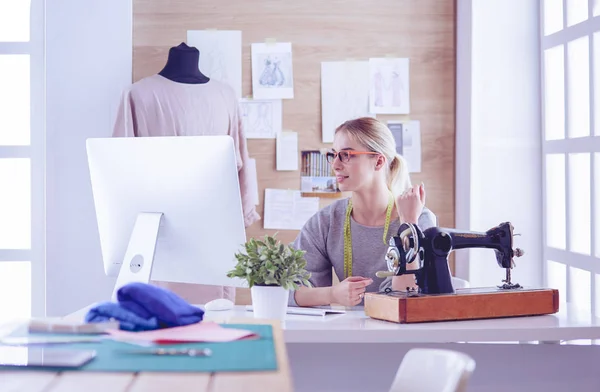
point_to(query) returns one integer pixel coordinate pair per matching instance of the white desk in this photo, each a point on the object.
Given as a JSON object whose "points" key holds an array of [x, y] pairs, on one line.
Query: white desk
{"points": [[352, 352], [356, 327]]}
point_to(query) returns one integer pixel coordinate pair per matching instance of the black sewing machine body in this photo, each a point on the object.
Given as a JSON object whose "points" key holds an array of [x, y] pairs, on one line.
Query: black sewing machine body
{"points": [[425, 253]]}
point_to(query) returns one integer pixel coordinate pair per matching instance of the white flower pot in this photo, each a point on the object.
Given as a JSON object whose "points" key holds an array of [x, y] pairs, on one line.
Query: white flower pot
{"points": [[269, 302]]}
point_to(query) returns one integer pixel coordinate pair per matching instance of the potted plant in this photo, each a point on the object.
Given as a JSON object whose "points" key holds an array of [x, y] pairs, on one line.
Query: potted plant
{"points": [[271, 270]]}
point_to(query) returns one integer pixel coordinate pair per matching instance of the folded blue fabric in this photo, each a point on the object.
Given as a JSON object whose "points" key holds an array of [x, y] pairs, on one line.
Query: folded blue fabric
{"points": [[129, 321], [149, 301]]}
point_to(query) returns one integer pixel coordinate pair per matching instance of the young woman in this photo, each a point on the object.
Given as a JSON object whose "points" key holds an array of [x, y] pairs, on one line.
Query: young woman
{"points": [[351, 235]]}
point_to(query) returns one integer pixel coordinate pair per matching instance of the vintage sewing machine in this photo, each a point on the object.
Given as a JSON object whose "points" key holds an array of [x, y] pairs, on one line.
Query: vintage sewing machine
{"points": [[425, 254]]}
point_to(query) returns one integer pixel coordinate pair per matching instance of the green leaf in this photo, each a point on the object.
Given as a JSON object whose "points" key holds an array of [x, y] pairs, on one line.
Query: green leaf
{"points": [[270, 262]]}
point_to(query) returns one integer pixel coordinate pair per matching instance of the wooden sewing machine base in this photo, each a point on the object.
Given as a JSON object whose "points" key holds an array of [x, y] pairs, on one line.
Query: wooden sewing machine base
{"points": [[465, 304]]}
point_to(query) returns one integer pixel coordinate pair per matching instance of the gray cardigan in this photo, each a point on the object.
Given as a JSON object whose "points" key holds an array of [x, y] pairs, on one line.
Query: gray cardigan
{"points": [[322, 237]]}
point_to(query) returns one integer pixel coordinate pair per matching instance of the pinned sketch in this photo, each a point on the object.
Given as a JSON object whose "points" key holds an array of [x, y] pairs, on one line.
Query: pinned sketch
{"points": [[287, 209], [344, 94], [220, 55], [411, 145], [396, 129], [389, 86], [261, 118], [408, 142], [272, 71]]}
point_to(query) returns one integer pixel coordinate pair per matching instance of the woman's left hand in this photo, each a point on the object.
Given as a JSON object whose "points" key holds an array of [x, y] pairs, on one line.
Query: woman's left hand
{"points": [[410, 203]]}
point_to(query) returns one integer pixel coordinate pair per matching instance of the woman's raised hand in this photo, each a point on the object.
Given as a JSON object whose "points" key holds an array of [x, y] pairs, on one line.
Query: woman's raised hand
{"points": [[410, 203]]}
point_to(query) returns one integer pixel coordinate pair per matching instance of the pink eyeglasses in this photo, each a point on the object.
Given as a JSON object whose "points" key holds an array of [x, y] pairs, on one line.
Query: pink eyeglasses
{"points": [[346, 154]]}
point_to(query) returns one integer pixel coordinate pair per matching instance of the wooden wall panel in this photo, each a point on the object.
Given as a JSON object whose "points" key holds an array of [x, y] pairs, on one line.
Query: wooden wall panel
{"points": [[327, 30]]}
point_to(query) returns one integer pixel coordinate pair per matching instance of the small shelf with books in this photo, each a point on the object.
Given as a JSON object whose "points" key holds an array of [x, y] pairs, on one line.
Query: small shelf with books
{"points": [[316, 178]]}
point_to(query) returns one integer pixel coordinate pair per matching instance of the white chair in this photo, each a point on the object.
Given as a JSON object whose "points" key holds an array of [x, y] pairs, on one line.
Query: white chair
{"points": [[459, 283], [433, 370]]}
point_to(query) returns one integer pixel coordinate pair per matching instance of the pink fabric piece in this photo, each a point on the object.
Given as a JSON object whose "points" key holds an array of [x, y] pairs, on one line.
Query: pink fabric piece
{"points": [[200, 332], [157, 106]]}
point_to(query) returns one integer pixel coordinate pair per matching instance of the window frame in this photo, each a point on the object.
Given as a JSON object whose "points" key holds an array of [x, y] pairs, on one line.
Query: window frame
{"points": [[35, 151], [588, 144]]}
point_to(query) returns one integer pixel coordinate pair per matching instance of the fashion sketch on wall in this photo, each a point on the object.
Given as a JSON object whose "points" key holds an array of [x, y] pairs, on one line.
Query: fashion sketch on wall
{"points": [[389, 86], [344, 94], [407, 135], [261, 118], [272, 71], [220, 55]]}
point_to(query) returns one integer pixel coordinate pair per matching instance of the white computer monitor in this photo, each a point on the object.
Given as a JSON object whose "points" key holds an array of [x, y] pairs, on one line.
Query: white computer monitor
{"points": [[167, 208]]}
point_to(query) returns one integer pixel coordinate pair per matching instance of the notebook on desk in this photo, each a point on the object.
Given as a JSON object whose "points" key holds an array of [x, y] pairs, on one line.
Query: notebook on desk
{"points": [[306, 311]]}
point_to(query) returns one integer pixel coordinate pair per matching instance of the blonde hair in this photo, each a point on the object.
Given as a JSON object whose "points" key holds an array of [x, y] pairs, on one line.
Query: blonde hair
{"points": [[377, 137]]}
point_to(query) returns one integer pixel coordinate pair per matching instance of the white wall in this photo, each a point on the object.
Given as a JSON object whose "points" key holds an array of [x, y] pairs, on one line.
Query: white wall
{"points": [[498, 133], [88, 48]]}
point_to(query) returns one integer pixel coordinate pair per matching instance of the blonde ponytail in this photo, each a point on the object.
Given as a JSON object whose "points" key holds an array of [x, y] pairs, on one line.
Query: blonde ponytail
{"points": [[398, 178]]}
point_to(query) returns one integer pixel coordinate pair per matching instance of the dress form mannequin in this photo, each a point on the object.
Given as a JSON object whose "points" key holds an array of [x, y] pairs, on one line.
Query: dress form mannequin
{"points": [[162, 105], [182, 65]]}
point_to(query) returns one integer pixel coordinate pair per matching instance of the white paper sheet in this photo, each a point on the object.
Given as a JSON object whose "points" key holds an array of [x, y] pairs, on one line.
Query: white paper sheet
{"points": [[344, 94], [287, 150], [411, 145], [389, 86], [220, 55], [272, 71], [287, 209], [253, 178], [396, 128], [261, 118]]}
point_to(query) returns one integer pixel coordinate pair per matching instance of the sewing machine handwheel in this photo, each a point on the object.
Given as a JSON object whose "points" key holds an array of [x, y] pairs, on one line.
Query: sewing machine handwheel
{"points": [[392, 259], [409, 239]]}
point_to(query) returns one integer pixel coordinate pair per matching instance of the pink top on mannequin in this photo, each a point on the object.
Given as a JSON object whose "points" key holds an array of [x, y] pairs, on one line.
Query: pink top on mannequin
{"points": [[181, 101]]}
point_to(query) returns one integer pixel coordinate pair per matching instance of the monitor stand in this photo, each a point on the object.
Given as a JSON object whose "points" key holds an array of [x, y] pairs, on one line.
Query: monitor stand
{"points": [[139, 257]]}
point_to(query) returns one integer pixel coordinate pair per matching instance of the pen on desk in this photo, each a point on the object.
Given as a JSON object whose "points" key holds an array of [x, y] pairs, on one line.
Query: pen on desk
{"points": [[190, 352]]}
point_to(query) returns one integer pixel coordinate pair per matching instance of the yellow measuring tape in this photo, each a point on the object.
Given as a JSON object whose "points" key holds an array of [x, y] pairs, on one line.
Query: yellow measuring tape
{"points": [[348, 235]]}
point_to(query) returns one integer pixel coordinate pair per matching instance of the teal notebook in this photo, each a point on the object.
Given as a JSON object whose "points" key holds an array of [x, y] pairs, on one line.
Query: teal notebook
{"points": [[237, 356]]}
